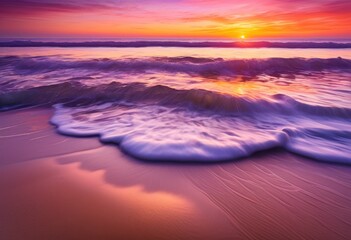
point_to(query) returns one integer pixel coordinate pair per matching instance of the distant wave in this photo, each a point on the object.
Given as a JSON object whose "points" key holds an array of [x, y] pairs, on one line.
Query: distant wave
{"points": [[246, 44], [189, 65]]}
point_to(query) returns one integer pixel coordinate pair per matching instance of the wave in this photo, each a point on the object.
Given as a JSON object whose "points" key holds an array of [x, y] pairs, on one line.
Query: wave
{"points": [[159, 133], [196, 99], [162, 123], [190, 65], [159, 122], [134, 44]]}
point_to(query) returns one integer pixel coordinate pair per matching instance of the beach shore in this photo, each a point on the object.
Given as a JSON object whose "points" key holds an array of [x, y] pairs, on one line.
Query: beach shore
{"points": [[59, 187]]}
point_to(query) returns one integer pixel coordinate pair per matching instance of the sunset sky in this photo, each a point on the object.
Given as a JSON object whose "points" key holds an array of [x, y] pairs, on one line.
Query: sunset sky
{"points": [[228, 19]]}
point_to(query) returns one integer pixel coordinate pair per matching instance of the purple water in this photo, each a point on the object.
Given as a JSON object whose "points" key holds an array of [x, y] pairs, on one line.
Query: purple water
{"points": [[190, 104]]}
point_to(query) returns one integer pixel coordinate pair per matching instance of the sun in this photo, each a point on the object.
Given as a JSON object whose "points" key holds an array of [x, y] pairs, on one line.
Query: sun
{"points": [[242, 37]]}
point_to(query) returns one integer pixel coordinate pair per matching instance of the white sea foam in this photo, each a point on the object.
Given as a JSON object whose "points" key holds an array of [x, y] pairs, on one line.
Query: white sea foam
{"points": [[177, 134]]}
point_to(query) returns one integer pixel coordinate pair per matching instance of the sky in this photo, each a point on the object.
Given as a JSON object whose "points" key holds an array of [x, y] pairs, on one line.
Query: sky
{"points": [[195, 19]]}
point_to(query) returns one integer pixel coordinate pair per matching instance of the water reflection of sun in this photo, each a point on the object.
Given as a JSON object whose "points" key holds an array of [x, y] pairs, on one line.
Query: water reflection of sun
{"points": [[256, 88]]}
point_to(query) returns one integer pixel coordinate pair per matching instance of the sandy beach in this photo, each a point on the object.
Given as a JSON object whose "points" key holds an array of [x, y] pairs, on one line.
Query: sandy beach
{"points": [[59, 187]]}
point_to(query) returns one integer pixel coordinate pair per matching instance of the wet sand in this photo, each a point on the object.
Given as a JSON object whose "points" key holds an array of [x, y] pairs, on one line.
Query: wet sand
{"points": [[59, 187]]}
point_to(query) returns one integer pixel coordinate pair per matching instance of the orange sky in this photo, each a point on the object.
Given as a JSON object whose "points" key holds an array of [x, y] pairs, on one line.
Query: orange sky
{"points": [[176, 18]]}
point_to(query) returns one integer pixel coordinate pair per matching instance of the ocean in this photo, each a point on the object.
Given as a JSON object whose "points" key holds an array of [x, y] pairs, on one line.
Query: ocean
{"points": [[189, 101]]}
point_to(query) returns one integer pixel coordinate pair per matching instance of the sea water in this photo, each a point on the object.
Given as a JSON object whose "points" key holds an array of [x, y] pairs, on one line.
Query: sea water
{"points": [[166, 103]]}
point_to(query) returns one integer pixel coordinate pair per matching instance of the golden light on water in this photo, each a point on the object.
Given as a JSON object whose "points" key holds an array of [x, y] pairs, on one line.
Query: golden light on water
{"points": [[257, 88]]}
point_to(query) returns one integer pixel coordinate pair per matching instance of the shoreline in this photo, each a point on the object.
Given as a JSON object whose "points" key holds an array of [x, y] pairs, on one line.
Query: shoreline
{"points": [[60, 187]]}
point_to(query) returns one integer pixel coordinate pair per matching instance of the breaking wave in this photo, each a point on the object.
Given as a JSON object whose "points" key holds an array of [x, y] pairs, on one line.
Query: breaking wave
{"points": [[162, 123], [196, 99]]}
